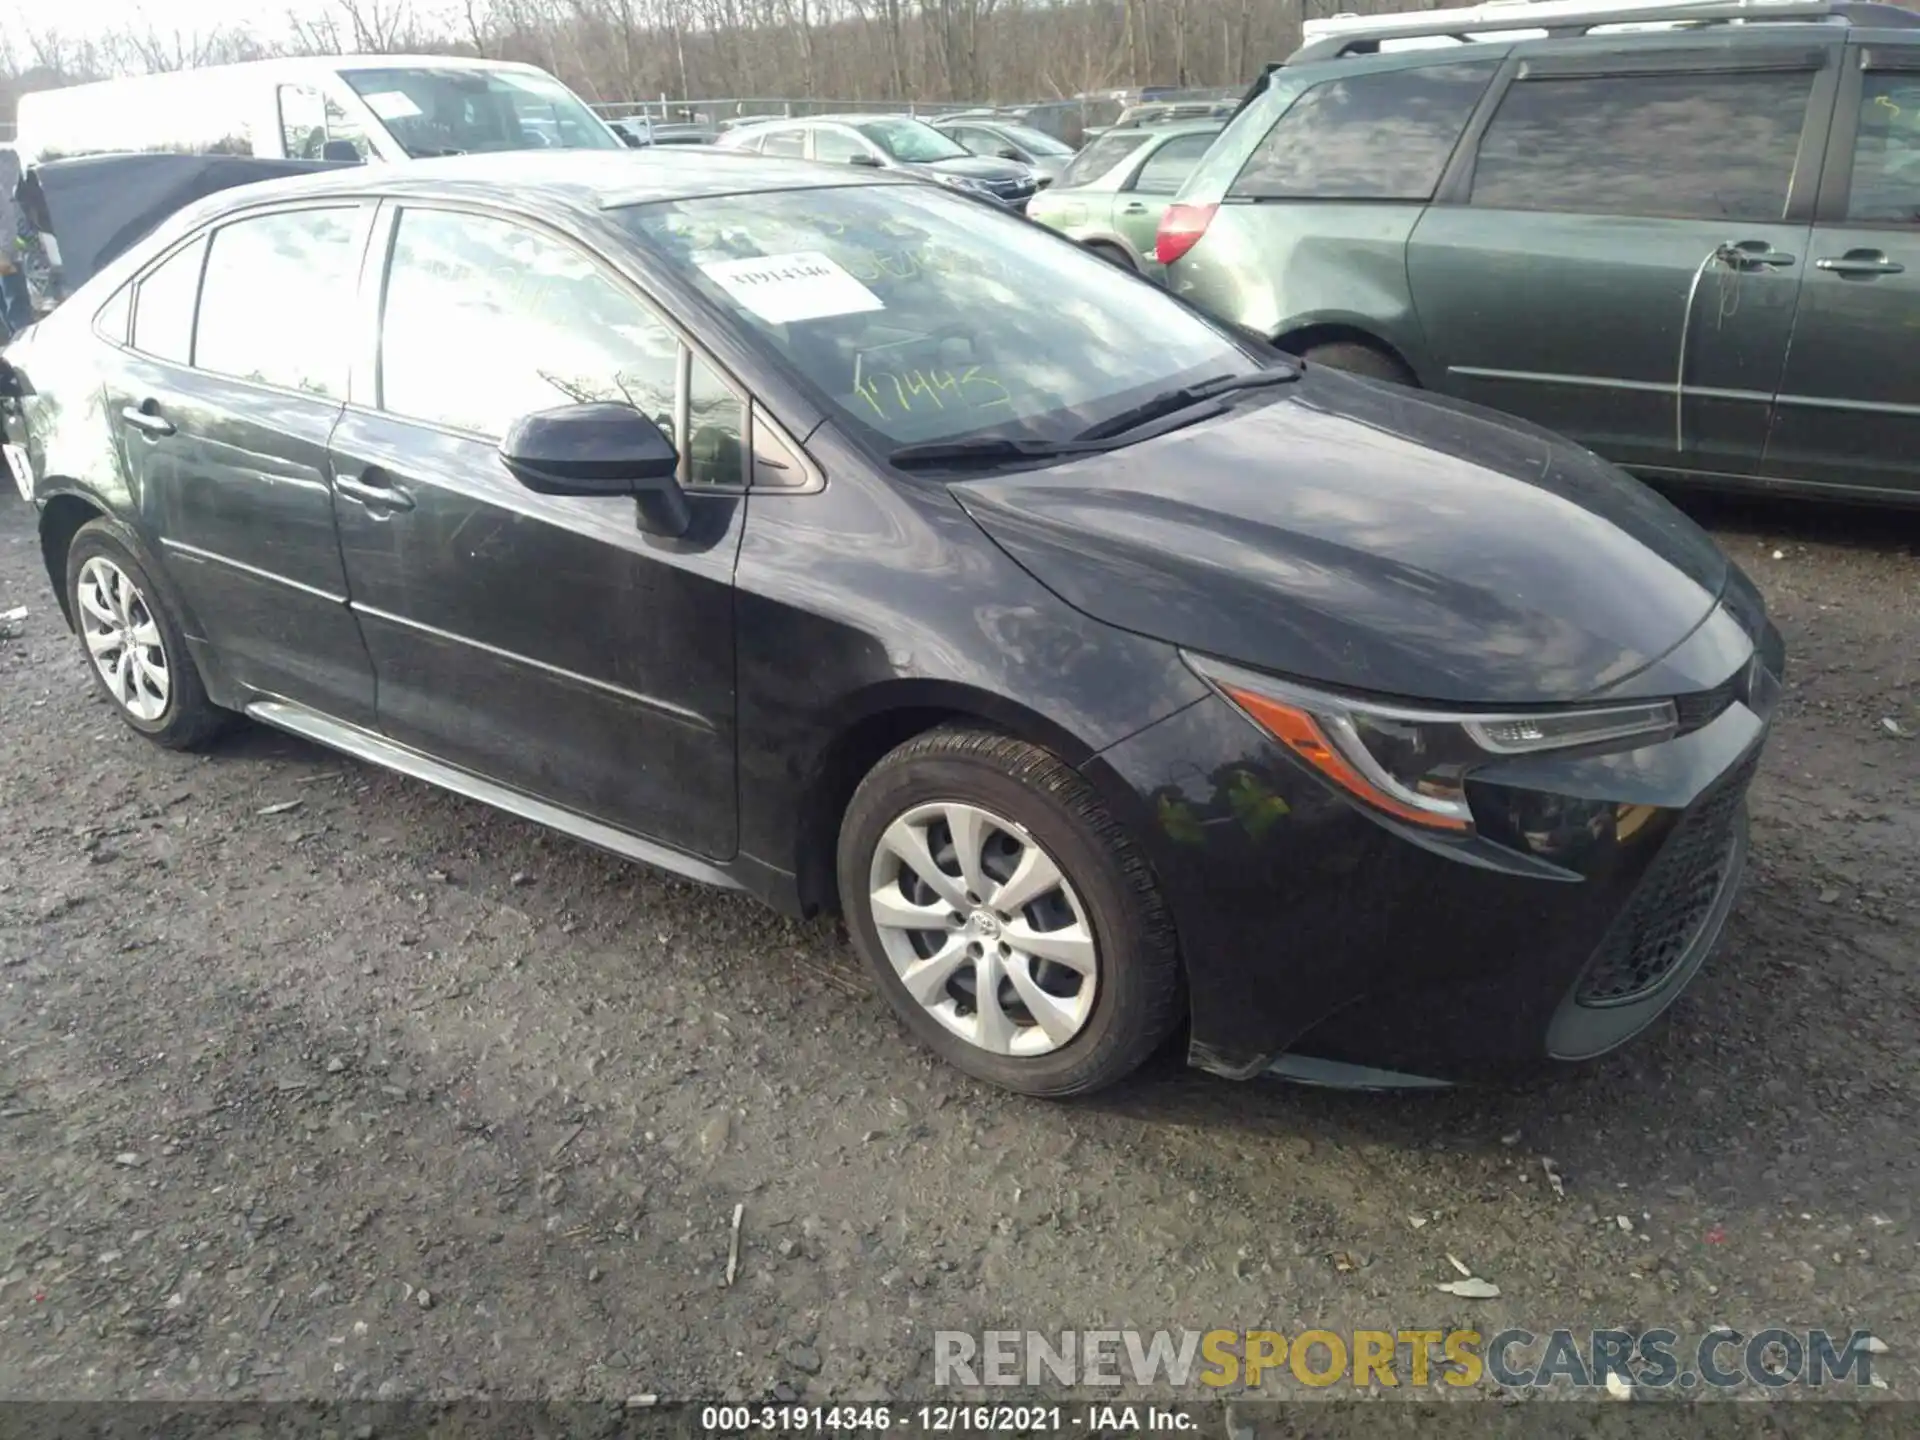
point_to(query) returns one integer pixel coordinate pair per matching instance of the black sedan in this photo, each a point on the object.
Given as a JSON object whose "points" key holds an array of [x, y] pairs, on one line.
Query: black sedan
{"points": [[1112, 675]]}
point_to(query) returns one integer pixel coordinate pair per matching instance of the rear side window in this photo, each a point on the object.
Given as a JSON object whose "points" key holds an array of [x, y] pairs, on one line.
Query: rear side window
{"points": [[784, 142], [1700, 146], [277, 307], [1369, 137], [1886, 153], [1101, 156], [163, 306], [1168, 167]]}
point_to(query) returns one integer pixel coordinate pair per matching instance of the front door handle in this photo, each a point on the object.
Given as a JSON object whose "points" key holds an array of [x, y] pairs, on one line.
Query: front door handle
{"points": [[1744, 254], [147, 419], [374, 489], [1860, 262]]}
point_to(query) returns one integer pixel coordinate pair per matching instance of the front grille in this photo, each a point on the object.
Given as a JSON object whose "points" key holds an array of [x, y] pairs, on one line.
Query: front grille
{"points": [[1672, 902]]}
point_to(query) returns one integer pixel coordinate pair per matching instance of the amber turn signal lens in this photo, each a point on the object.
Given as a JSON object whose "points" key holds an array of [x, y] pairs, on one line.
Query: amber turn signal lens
{"points": [[1300, 732]]}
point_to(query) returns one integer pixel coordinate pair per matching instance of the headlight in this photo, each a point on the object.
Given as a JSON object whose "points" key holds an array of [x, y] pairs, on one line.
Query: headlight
{"points": [[1413, 764], [966, 183]]}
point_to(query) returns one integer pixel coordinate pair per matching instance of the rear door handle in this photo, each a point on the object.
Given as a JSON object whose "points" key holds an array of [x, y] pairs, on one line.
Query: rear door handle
{"points": [[375, 489], [1860, 262], [147, 419], [1136, 208]]}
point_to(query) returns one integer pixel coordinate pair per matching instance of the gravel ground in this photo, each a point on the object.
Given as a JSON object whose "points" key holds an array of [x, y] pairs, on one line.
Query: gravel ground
{"points": [[316, 1082]]}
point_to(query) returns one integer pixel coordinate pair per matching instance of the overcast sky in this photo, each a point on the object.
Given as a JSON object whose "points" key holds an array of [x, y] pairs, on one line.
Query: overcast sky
{"points": [[75, 18]]}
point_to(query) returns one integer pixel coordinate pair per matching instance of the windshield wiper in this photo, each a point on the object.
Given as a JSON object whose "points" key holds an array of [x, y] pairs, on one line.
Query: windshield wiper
{"points": [[1171, 402], [986, 451]]}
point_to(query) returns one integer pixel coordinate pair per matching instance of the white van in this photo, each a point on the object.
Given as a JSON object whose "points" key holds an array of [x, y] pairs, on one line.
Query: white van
{"points": [[326, 107]]}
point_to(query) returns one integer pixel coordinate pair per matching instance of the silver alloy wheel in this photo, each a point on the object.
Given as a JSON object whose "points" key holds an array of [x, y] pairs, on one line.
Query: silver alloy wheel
{"points": [[123, 639], [983, 928]]}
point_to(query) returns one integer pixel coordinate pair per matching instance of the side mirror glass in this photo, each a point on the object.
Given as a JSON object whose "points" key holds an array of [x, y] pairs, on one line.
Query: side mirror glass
{"points": [[600, 449], [1007, 152], [341, 152], [864, 160]]}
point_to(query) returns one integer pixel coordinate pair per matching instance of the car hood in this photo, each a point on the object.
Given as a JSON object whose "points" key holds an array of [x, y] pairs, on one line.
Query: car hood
{"points": [[975, 167], [1358, 535]]}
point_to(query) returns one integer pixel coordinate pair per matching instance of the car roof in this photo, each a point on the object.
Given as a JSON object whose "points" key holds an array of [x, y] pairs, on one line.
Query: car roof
{"points": [[575, 179], [1418, 37], [1170, 129]]}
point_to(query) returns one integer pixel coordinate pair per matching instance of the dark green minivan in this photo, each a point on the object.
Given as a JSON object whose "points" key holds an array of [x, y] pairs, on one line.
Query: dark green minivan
{"points": [[1686, 236]]}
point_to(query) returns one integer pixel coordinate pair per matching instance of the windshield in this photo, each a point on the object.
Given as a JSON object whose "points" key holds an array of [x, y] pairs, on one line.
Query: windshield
{"points": [[1034, 142], [911, 141], [917, 315], [458, 111]]}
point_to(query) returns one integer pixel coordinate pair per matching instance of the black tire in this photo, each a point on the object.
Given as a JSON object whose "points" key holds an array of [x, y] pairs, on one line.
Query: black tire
{"points": [[1113, 255], [189, 719], [1358, 359], [1138, 996]]}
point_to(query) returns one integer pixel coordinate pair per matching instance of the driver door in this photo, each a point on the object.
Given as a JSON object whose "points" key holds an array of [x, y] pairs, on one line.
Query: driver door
{"points": [[543, 642]]}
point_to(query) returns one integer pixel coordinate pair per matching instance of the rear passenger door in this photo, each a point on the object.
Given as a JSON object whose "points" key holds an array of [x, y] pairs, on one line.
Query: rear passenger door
{"points": [[1849, 406], [235, 376], [1570, 255], [544, 642]]}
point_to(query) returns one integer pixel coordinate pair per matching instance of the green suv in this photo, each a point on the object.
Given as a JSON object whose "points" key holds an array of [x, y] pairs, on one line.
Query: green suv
{"points": [[1686, 235]]}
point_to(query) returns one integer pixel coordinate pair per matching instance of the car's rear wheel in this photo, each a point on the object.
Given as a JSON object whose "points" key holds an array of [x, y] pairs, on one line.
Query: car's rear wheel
{"points": [[1009, 918], [1358, 359], [133, 642]]}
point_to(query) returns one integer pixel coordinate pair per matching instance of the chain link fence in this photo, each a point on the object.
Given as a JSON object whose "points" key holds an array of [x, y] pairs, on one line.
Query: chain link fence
{"points": [[760, 107]]}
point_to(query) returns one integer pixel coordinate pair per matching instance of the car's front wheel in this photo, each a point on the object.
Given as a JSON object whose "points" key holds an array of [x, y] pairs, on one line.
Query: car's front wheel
{"points": [[1009, 918], [133, 642]]}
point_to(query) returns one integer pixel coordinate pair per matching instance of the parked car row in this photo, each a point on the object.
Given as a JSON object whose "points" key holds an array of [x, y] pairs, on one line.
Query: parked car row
{"points": [[825, 533], [1059, 613]]}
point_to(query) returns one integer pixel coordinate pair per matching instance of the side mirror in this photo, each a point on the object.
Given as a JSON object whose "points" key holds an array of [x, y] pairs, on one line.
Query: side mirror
{"points": [[1007, 152], [341, 152], [864, 160], [600, 449]]}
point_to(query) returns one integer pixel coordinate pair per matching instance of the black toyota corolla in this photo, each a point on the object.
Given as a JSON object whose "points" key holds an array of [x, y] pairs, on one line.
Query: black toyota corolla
{"points": [[838, 540]]}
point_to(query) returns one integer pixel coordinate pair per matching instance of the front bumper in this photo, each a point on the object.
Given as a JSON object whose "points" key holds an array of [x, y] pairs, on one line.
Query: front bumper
{"points": [[1327, 944]]}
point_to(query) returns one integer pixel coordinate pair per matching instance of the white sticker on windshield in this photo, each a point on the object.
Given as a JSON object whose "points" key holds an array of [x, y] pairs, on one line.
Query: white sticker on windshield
{"points": [[804, 285], [391, 105]]}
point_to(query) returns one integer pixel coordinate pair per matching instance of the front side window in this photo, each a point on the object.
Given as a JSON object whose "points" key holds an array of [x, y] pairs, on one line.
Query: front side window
{"points": [[912, 142], [277, 306], [310, 123], [1167, 168], [1701, 146], [835, 146], [1101, 156], [1034, 142], [911, 313], [1886, 152], [457, 111], [486, 320], [164, 302], [1385, 136]]}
